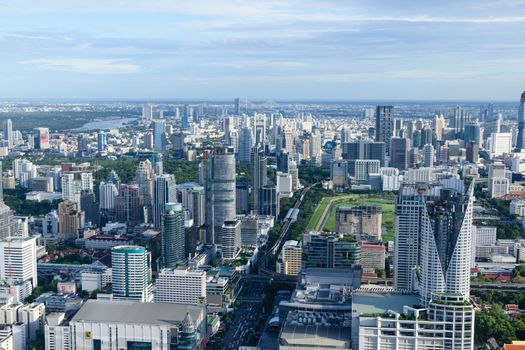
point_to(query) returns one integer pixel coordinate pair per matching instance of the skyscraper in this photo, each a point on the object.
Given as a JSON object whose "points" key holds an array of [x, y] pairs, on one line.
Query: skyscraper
{"points": [[230, 239], [428, 155], [245, 145], [129, 206], [165, 191], [399, 153], [446, 236], [144, 176], [218, 172], [41, 138], [102, 144], [384, 117], [147, 112], [173, 244], [131, 273], [472, 132], [520, 142], [259, 176], [8, 136], [237, 106], [439, 125], [159, 135]]}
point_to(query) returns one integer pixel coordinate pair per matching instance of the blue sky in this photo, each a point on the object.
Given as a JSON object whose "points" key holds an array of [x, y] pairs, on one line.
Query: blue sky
{"points": [[330, 49]]}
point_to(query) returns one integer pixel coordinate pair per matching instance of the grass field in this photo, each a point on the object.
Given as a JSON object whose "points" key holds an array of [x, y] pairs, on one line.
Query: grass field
{"points": [[317, 213], [387, 205]]}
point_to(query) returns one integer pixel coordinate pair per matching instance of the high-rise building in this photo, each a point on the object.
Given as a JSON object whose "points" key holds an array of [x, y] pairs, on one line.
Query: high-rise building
{"points": [[384, 118], [41, 138], [173, 240], [107, 195], [8, 136], [287, 140], [145, 177], [362, 149], [70, 220], [129, 206], [399, 153], [439, 125], [181, 286], [159, 135], [237, 106], [498, 182], [290, 259], [193, 200], [18, 260], [500, 143], [428, 156], [359, 221], [218, 170], [324, 250], [520, 142], [165, 191], [363, 169], [472, 153], [259, 129], [90, 207], [245, 145], [472, 132], [259, 176], [102, 142], [147, 112], [446, 236], [231, 239], [131, 275], [269, 199]]}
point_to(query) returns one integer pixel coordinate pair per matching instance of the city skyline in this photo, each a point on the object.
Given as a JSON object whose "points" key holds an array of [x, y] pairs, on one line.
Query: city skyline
{"points": [[295, 50]]}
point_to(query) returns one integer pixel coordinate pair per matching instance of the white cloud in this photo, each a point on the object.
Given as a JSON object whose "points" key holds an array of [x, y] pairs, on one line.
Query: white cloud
{"points": [[86, 65]]}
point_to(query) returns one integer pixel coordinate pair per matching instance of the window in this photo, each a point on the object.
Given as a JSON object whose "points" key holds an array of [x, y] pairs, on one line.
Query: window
{"points": [[139, 345]]}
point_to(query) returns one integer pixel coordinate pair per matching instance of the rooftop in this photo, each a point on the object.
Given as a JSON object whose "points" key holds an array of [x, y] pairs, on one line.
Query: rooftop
{"points": [[106, 311]]}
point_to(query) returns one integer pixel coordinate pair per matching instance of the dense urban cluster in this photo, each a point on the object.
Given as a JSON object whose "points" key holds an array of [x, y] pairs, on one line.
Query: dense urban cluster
{"points": [[245, 225]]}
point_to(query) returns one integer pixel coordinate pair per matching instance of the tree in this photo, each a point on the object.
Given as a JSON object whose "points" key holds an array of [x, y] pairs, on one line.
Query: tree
{"points": [[519, 271]]}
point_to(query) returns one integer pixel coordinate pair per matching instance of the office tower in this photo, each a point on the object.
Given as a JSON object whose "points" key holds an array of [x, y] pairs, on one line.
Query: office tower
{"points": [[227, 127], [259, 176], [90, 207], [427, 136], [242, 198], [177, 142], [18, 260], [428, 156], [187, 115], [41, 138], [147, 112], [173, 244], [413, 157], [269, 199], [282, 160], [363, 169], [384, 117], [159, 135], [315, 146], [359, 221], [148, 140], [284, 185], [439, 125], [129, 206], [399, 153], [82, 145], [165, 191], [231, 239], [237, 106], [287, 140], [194, 201], [446, 236], [181, 286], [361, 149], [290, 258], [500, 143], [145, 177], [245, 145], [339, 173], [70, 220], [472, 132], [107, 194], [218, 171], [130, 273], [102, 143], [520, 142], [250, 230], [8, 136], [259, 129], [327, 250], [498, 182], [472, 153], [458, 119]]}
